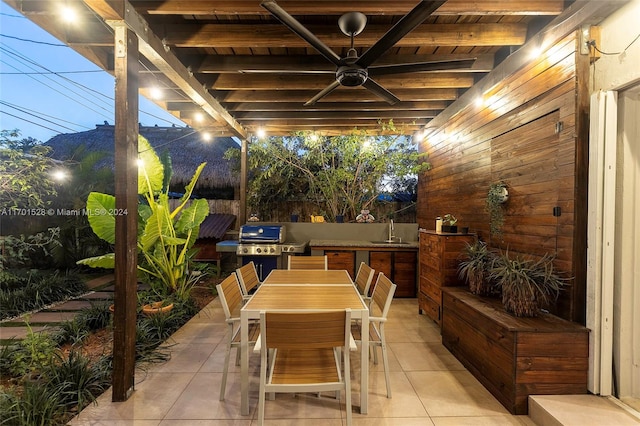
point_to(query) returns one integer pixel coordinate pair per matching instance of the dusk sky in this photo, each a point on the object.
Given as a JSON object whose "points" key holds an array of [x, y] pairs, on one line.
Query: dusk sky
{"points": [[45, 88]]}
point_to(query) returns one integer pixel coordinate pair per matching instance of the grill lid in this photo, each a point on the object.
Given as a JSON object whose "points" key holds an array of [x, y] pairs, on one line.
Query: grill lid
{"points": [[261, 234]]}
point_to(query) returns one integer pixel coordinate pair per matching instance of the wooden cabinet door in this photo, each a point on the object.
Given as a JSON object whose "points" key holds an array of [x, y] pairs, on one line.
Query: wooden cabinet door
{"points": [[342, 260], [404, 273], [381, 261]]}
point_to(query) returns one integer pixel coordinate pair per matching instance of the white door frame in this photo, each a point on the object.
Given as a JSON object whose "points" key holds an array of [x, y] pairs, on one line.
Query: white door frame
{"points": [[601, 239]]}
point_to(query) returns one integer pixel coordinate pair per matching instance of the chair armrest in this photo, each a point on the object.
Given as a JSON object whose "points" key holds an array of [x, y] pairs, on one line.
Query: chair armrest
{"points": [[352, 343]]}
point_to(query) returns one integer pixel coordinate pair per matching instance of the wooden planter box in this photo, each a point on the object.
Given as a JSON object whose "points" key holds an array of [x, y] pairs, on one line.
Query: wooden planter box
{"points": [[514, 357]]}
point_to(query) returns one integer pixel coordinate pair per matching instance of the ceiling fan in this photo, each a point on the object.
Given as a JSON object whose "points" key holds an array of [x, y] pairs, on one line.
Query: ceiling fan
{"points": [[354, 70]]}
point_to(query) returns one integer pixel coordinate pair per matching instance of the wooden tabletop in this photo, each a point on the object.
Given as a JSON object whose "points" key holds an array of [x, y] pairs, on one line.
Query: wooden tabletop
{"points": [[308, 276], [305, 297]]}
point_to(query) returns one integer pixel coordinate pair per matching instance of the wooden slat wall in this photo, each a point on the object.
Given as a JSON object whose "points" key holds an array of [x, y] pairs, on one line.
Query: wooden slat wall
{"points": [[514, 139]]}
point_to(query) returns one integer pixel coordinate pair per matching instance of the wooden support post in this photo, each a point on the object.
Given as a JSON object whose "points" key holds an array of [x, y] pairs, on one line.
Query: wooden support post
{"points": [[242, 219], [126, 190]]}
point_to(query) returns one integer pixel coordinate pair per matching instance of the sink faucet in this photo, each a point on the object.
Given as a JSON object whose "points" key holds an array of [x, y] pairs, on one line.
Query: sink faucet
{"points": [[391, 236]]}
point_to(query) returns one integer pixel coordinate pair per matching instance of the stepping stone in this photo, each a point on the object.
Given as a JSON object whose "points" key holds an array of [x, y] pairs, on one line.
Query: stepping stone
{"points": [[100, 281], [98, 295], [49, 317], [7, 333], [72, 305]]}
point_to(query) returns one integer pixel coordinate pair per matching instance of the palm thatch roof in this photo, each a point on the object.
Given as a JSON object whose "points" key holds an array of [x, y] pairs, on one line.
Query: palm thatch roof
{"points": [[185, 145]]}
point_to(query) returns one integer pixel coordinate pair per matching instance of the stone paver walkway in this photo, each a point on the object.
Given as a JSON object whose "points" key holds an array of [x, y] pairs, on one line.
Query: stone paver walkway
{"points": [[47, 319]]}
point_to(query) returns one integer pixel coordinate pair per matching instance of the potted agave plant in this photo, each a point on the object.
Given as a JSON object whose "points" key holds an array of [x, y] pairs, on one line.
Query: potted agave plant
{"points": [[166, 234], [527, 284], [475, 267]]}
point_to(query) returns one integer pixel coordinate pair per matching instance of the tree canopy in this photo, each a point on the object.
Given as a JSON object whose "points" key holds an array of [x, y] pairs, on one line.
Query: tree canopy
{"points": [[340, 174], [25, 181]]}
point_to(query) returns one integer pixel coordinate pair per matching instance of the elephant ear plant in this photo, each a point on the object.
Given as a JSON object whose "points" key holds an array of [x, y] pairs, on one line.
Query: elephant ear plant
{"points": [[165, 236]]}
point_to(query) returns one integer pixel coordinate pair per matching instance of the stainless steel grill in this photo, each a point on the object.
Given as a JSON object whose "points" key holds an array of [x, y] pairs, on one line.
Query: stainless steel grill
{"points": [[265, 240]]}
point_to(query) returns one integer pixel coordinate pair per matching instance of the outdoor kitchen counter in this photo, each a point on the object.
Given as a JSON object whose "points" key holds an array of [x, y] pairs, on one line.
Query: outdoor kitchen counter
{"points": [[362, 244], [398, 261]]}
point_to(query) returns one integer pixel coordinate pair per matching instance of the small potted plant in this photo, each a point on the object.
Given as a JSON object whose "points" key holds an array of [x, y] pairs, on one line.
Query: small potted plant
{"points": [[496, 197], [475, 268], [449, 224], [527, 284]]}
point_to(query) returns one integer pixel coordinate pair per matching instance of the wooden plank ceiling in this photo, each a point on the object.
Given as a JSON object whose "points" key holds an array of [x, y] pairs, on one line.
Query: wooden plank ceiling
{"points": [[259, 72]]}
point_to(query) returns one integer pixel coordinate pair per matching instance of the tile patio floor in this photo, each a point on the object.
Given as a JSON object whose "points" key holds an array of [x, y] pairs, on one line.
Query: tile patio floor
{"points": [[430, 387]]}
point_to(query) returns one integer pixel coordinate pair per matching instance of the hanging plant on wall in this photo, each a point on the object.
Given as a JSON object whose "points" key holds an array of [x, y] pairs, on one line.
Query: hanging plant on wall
{"points": [[496, 197]]}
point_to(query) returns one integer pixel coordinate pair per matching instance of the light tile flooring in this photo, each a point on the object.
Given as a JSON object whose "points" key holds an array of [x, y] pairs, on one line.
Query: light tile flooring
{"points": [[430, 387]]}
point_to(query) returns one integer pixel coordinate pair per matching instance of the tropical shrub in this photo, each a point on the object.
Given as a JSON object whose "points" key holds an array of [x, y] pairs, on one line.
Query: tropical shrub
{"points": [[25, 290], [166, 236]]}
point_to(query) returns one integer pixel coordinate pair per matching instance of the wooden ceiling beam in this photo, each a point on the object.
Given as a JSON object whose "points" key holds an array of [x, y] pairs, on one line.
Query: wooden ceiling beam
{"points": [[341, 95], [277, 130], [333, 115], [153, 49], [320, 106], [222, 64], [319, 82], [344, 122], [368, 7], [334, 106], [277, 35]]}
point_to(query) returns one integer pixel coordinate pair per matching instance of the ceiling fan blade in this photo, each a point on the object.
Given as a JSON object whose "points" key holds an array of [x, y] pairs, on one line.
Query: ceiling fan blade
{"points": [[324, 92], [294, 25], [403, 27], [380, 91], [420, 67]]}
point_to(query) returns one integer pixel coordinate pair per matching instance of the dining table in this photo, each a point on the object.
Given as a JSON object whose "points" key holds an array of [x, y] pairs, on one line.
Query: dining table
{"points": [[303, 276], [299, 291]]}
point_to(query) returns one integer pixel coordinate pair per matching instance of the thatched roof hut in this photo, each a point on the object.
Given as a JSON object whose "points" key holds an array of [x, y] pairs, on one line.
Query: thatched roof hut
{"points": [[185, 146]]}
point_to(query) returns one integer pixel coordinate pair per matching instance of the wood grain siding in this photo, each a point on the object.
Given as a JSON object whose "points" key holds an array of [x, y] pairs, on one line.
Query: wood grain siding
{"points": [[527, 133]]}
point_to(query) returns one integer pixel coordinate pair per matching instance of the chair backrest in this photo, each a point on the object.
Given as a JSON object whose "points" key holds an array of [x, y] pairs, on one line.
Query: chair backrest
{"points": [[230, 296], [248, 278], [364, 277], [308, 262], [305, 330], [382, 296]]}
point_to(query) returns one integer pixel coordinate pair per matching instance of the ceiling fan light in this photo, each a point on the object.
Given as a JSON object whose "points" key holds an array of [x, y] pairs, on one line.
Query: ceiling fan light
{"points": [[351, 76]]}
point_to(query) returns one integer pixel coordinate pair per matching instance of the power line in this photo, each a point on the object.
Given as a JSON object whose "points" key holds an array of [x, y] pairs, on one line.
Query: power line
{"points": [[60, 92], [50, 72], [34, 41], [39, 118], [42, 114], [26, 59], [31, 122]]}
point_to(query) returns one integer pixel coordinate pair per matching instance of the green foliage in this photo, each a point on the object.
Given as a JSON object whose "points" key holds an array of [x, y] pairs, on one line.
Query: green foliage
{"points": [[76, 380], [85, 321], [86, 171], [34, 405], [24, 251], [494, 206], [32, 354], [165, 236], [59, 386], [340, 174], [475, 266], [23, 291], [527, 283], [449, 220], [24, 172]]}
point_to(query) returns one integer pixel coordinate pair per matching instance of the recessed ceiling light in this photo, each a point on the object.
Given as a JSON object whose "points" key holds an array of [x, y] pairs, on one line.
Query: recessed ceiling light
{"points": [[68, 14], [155, 93]]}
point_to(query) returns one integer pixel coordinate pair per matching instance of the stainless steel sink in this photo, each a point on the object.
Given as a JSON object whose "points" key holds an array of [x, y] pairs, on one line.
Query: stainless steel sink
{"points": [[388, 242]]}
